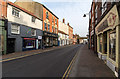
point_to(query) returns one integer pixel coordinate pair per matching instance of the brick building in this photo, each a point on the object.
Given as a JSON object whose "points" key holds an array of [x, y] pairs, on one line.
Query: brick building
{"points": [[106, 32], [70, 34]]}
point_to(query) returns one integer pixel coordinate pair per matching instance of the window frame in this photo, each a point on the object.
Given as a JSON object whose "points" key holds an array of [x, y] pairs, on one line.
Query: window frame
{"points": [[34, 31], [18, 29], [15, 12]]}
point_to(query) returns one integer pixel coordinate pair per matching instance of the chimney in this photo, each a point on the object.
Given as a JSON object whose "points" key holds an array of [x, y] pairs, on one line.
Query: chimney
{"points": [[68, 24], [63, 20]]}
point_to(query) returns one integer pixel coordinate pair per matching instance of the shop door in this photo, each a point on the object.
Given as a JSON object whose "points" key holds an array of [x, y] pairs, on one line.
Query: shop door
{"points": [[39, 44], [10, 45]]}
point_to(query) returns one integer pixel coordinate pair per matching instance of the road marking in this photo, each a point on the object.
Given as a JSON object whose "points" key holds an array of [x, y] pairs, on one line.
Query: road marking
{"points": [[67, 72], [20, 57]]}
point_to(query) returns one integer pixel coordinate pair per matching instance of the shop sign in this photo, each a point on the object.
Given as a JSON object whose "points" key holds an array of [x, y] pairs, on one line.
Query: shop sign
{"points": [[50, 34], [29, 38], [39, 37], [110, 21]]}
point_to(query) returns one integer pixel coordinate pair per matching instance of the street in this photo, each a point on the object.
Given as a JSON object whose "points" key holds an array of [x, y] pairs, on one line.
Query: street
{"points": [[48, 64]]}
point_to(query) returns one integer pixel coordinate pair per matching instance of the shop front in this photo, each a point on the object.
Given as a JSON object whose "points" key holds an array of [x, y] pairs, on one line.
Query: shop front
{"points": [[29, 44], [108, 39], [22, 38], [50, 39]]}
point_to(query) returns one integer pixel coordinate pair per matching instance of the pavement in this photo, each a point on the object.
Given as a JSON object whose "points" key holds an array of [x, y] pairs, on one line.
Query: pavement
{"points": [[87, 64]]}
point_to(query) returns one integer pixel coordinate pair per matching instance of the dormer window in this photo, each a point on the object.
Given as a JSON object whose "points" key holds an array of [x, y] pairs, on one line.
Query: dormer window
{"points": [[15, 12]]}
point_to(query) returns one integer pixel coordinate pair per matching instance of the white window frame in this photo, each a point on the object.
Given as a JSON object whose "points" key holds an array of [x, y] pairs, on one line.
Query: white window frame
{"points": [[16, 11], [18, 29]]}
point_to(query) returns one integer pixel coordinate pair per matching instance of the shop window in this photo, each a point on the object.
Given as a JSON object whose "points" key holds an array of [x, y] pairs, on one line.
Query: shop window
{"points": [[112, 46], [29, 43], [45, 26], [33, 32], [100, 43], [33, 19], [15, 29], [15, 12]]}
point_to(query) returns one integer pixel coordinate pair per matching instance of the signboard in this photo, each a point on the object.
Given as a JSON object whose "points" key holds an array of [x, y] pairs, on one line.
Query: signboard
{"points": [[110, 21], [50, 34], [39, 37]]}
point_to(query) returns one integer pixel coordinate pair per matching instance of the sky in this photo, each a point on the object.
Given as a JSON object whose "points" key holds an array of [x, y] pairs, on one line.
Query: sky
{"points": [[72, 11]]}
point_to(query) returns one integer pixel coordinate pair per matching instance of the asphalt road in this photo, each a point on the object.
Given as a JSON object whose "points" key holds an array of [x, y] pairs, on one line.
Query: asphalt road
{"points": [[49, 64]]}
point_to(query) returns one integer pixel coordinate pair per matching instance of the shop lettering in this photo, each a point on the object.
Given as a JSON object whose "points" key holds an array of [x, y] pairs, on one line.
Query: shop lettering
{"points": [[103, 26]]}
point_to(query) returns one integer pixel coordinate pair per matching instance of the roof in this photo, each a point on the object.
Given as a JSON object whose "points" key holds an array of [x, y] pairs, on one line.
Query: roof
{"points": [[50, 11], [26, 11]]}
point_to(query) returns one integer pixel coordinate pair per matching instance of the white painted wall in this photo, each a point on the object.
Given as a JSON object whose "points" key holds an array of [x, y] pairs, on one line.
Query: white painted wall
{"points": [[63, 27], [24, 19]]}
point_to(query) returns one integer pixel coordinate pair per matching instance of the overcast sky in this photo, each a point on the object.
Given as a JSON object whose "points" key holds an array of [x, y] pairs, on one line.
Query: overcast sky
{"points": [[72, 11]]}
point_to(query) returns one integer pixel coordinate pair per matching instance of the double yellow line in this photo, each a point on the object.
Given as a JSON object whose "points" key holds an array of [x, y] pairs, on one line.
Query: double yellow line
{"points": [[67, 72]]}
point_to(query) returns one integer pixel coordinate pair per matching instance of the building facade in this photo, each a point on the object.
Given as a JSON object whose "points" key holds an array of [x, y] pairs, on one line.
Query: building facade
{"points": [[70, 34], [74, 39], [50, 28], [50, 21], [22, 34], [63, 33], [104, 26]]}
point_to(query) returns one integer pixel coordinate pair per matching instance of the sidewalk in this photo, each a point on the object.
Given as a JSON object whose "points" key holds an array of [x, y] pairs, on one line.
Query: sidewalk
{"points": [[17, 55], [87, 64]]}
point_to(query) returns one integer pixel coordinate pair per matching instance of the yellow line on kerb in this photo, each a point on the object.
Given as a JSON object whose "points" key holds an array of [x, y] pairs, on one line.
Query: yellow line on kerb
{"points": [[19, 57], [67, 72]]}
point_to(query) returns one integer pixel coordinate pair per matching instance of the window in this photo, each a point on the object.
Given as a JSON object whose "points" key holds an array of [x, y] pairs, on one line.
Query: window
{"points": [[52, 19], [45, 26], [100, 43], [104, 6], [56, 30], [56, 21], [33, 32], [15, 12], [52, 28], [48, 27], [47, 16], [15, 29], [33, 19], [112, 46]]}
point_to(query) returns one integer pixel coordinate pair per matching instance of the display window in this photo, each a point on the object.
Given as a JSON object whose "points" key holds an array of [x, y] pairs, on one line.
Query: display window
{"points": [[112, 46], [29, 43], [100, 43]]}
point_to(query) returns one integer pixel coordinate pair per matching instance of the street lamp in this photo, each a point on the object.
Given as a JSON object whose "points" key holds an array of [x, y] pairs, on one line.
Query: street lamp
{"points": [[85, 14]]}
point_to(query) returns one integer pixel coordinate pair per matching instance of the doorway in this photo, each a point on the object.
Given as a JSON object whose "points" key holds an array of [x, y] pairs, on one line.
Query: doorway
{"points": [[10, 45]]}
